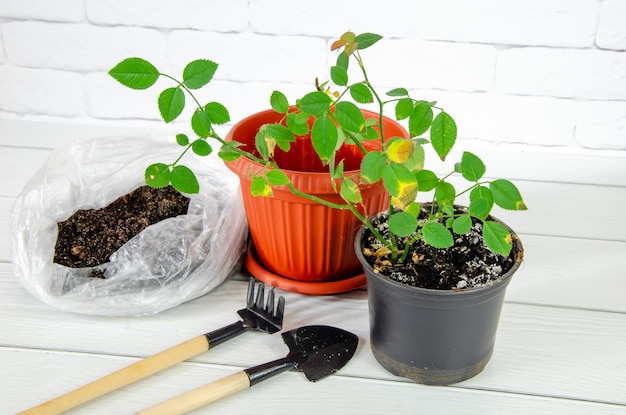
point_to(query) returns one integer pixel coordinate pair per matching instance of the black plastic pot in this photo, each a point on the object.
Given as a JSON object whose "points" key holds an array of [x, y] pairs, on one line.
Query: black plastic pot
{"points": [[435, 337]]}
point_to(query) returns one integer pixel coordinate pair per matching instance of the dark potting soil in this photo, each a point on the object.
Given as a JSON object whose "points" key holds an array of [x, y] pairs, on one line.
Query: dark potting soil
{"points": [[89, 237], [468, 263]]}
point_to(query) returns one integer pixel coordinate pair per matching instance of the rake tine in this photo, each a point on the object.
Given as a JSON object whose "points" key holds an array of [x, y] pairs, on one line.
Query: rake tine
{"points": [[269, 307], [250, 301], [259, 297], [280, 309]]}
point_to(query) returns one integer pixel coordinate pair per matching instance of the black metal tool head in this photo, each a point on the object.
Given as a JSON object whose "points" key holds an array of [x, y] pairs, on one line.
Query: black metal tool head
{"points": [[263, 316], [325, 349]]}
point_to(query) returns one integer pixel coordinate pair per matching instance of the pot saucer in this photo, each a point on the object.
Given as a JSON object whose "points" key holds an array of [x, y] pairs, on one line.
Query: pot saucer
{"points": [[254, 266]]}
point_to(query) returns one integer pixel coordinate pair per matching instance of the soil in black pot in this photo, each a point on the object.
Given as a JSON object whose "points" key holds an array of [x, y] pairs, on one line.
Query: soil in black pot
{"points": [[468, 263], [89, 237]]}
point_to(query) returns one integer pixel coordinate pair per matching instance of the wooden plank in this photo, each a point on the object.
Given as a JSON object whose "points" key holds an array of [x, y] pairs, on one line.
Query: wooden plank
{"points": [[17, 166], [563, 209], [574, 273], [5, 236], [44, 375], [564, 272], [562, 353]]}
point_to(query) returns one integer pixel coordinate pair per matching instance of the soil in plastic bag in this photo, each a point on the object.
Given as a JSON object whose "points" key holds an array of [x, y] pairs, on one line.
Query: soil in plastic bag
{"points": [[90, 236], [166, 264]]}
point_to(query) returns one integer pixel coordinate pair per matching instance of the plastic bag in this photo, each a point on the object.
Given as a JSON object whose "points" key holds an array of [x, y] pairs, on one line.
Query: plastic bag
{"points": [[170, 262]]}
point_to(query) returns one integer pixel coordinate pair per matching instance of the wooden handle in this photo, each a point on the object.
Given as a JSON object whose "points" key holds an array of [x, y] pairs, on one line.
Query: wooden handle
{"points": [[139, 370], [201, 396]]}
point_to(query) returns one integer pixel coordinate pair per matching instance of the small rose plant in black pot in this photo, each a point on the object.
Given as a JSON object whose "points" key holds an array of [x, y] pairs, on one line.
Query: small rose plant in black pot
{"points": [[436, 272]]}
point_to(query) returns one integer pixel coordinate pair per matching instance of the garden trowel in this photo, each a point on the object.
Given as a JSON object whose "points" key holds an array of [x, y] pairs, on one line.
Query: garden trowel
{"points": [[318, 351]]}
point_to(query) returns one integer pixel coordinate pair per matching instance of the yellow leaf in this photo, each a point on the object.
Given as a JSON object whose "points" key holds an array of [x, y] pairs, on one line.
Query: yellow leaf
{"points": [[407, 195], [348, 37], [350, 48], [271, 145], [397, 202], [400, 150]]}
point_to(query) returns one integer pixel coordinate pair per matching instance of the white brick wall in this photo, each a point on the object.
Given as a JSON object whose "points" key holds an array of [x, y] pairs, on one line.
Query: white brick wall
{"points": [[549, 74], [612, 25], [54, 11], [205, 15]]}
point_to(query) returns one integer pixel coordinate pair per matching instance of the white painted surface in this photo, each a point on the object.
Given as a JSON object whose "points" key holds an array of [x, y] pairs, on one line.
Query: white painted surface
{"points": [[559, 350]]}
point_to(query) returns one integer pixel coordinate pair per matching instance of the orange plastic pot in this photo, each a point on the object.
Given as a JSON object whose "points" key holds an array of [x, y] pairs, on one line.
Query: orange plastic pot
{"points": [[295, 238]]}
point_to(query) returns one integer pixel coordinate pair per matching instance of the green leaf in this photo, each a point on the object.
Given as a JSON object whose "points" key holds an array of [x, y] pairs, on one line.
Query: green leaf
{"points": [[361, 93], [201, 123], [404, 108], [260, 187], [472, 167], [443, 134], [315, 103], [277, 134], [339, 75], [426, 180], [343, 61], [199, 73], [414, 209], [370, 133], [350, 192], [400, 182], [437, 235], [227, 152], [445, 194], [184, 180], [372, 166], [402, 224], [277, 178], [481, 192], [349, 117], [447, 209], [365, 40], [497, 237], [481, 202], [298, 125], [279, 102], [415, 163], [449, 222], [201, 147], [182, 140], [261, 144], [157, 175], [171, 103], [217, 113], [506, 195], [135, 73], [480, 208], [462, 224], [398, 92], [420, 119], [337, 173], [324, 137]]}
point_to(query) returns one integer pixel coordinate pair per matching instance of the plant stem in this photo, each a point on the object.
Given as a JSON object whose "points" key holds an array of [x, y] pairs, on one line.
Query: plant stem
{"points": [[378, 99], [345, 206], [212, 134], [181, 155]]}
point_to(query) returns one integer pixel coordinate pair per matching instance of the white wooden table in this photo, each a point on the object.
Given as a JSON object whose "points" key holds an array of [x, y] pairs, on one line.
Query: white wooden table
{"points": [[561, 345]]}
